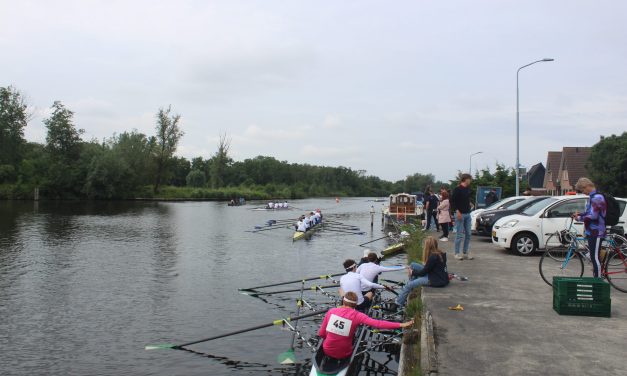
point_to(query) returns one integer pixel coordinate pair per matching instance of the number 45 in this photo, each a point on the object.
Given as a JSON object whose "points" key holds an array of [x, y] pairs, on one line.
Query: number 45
{"points": [[339, 324]]}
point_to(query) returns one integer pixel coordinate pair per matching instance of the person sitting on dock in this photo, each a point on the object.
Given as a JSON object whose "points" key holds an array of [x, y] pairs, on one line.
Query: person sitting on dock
{"points": [[432, 273], [340, 324], [371, 269], [352, 281]]}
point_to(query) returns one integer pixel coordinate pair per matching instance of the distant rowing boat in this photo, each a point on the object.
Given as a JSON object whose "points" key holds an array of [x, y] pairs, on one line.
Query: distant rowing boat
{"points": [[298, 235], [269, 209]]}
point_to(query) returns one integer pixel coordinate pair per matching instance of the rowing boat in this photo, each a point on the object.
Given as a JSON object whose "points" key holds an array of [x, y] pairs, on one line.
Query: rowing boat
{"points": [[394, 248], [298, 235], [323, 365]]}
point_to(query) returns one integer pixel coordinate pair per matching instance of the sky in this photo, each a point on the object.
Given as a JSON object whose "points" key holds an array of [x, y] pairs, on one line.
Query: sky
{"points": [[390, 87]]}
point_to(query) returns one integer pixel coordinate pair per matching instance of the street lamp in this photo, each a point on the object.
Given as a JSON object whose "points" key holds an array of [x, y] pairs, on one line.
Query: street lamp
{"points": [[518, 123], [470, 160]]}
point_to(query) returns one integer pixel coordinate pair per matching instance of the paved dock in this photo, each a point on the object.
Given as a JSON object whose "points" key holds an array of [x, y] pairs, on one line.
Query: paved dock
{"points": [[508, 325]]}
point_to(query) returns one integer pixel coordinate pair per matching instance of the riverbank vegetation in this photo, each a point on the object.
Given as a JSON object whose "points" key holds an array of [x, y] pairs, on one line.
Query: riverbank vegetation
{"points": [[411, 340]]}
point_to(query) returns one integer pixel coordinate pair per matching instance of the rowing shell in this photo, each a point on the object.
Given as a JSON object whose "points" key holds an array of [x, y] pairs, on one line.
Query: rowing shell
{"points": [[394, 248], [326, 366], [298, 235]]}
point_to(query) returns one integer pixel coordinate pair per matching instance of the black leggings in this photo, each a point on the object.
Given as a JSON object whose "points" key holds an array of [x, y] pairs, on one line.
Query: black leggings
{"points": [[594, 244], [444, 229]]}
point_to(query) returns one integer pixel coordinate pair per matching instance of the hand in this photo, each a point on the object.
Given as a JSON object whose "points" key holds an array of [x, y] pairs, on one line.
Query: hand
{"points": [[575, 215], [407, 324]]}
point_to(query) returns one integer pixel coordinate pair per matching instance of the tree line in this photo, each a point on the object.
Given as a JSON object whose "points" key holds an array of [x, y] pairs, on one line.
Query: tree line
{"points": [[135, 165]]}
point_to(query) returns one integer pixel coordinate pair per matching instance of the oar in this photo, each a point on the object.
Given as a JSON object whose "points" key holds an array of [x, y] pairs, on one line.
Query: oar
{"points": [[355, 228], [349, 232], [288, 356], [267, 229], [275, 322], [313, 288], [372, 241], [394, 282], [296, 281]]}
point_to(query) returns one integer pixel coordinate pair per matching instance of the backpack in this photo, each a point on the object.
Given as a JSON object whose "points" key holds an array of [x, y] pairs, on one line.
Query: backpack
{"points": [[612, 212]]}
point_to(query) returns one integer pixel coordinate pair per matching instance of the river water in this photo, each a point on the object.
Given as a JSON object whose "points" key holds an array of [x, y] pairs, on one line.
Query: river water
{"points": [[84, 286]]}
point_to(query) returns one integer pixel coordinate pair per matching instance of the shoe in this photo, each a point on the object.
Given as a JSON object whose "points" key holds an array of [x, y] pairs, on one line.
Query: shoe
{"points": [[467, 256], [459, 257], [443, 239]]}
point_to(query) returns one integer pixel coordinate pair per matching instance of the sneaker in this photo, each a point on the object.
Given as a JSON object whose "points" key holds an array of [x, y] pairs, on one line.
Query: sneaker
{"points": [[468, 256], [443, 239], [459, 257]]}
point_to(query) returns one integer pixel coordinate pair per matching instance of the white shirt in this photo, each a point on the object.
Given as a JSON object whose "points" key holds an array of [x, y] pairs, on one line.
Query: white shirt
{"points": [[370, 270], [307, 222], [271, 205], [285, 204], [301, 226], [352, 281]]}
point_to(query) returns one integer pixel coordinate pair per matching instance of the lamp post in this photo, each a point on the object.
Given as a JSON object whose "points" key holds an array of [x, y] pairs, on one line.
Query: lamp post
{"points": [[470, 161], [518, 123]]}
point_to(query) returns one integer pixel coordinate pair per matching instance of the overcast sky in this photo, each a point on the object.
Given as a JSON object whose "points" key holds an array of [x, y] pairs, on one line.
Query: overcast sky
{"points": [[391, 87]]}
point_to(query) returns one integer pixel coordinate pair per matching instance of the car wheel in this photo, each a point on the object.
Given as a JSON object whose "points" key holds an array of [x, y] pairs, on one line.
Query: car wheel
{"points": [[524, 244]]}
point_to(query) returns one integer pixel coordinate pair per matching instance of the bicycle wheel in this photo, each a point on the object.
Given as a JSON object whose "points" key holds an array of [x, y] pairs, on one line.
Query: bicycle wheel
{"points": [[554, 240], [616, 271], [555, 264]]}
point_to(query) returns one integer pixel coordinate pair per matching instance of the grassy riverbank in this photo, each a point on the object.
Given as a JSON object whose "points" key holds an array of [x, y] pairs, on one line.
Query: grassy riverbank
{"points": [[413, 247]]}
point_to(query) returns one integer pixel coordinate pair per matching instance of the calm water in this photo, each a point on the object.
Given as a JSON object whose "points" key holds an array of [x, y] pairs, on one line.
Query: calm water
{"points": [[85, 286]]}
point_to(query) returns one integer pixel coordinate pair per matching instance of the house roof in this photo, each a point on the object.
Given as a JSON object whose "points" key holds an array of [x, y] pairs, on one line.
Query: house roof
{"points": [[574, 160], [535, 168], [553, 161]]}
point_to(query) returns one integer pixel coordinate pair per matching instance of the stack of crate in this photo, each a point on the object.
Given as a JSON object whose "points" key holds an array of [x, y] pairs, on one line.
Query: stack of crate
{"points": [[585, 296]]}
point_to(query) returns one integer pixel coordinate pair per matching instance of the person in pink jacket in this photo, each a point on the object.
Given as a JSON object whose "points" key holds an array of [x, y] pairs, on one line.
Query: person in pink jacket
{"points": [[339, 326], [444, 215]]}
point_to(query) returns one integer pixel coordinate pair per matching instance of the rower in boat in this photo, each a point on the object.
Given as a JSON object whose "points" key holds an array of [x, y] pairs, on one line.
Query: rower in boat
{"points": [[285, 205], [354, 282], [337, 331], [307, 221], [270, 205], [371, 269], [301, 226]]}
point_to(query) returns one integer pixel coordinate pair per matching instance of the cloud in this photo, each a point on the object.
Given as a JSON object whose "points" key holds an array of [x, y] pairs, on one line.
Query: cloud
{"points": [[331, 121]]}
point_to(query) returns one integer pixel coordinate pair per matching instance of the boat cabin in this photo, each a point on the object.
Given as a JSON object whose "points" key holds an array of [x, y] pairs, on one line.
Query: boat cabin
{"points": [[402, 204]]}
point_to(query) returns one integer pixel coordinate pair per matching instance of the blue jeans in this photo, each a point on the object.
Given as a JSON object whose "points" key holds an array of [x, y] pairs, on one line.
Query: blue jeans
{"points": [[412, 283], [462, 230]]}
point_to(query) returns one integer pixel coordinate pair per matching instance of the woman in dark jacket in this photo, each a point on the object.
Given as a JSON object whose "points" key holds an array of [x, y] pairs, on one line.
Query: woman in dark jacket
{"points": [[432, 273]]}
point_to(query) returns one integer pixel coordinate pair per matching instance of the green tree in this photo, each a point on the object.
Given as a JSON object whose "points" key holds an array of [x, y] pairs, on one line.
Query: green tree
{"points": [[608, 164], [220, 162], [63, 139], [196, 178], [167, 139], [13, 119]]}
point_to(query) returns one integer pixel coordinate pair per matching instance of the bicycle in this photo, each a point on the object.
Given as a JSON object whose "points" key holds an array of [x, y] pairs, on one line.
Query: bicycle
{"points": [[567, 258]]}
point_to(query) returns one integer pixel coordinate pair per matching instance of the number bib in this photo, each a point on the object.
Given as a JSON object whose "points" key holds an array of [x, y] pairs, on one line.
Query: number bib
{"points": [[339, 325]]}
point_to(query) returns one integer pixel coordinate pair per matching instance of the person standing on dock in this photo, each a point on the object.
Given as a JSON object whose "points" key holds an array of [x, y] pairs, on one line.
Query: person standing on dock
{"points": [[460, 203], [431, 204]]}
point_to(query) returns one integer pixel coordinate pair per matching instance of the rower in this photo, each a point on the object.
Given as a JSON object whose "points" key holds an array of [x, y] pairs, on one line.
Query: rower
{"points": [[270, 205], [307, 221], [352, 281], [371, 269], [285, 205], [313, 218], [340, 324], [318, 215], [301, 226]]}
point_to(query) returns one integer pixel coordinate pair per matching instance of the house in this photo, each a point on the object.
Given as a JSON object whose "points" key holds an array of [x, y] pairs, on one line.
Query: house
{"points": [[564, 168], [573, 167], [551, 180]]}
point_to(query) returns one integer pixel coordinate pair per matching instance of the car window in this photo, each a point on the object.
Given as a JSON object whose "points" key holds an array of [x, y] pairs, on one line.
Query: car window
{"points": [[509, 204], [522, 203], [621, 206], [535, 208], [566, 209]]}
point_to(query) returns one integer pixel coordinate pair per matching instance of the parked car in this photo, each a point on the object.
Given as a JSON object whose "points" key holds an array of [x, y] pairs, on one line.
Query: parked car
{"points": [[527, 232], [501, 204], [486, 219]]}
